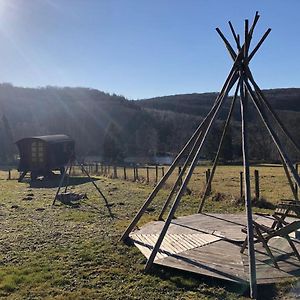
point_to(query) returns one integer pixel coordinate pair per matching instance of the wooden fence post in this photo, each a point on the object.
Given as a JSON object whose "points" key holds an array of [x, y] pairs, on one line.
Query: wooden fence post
{"points": [[241, 185], [147, 169], [256, 180], [97, 168], [156, 174], [125, 176], [137, 173], [115, 172], [9, 175], [134, 174], [207, 175], [296, 185]]}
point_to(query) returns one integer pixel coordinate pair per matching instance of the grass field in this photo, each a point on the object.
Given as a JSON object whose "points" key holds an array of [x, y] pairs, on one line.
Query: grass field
{"points": [[73, 252]]}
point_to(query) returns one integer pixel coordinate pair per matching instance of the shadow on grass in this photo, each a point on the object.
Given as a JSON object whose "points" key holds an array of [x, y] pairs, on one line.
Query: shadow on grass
{"points": [[83, 204], [209, 286], [55, 181]]}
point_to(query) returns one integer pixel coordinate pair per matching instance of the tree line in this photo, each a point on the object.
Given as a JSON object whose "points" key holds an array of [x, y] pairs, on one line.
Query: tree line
{"points": [[113, 128]]}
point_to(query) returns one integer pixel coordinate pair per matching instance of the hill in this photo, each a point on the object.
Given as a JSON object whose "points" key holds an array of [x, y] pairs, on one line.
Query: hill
{"points": [[114, 127]]}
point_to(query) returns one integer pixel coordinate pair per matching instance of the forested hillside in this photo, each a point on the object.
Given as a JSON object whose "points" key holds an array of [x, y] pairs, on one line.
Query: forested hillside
{"points": [[114, 127]]}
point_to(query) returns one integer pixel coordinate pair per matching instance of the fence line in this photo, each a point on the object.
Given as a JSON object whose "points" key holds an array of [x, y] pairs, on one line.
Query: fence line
{"points": [[260, 181]]}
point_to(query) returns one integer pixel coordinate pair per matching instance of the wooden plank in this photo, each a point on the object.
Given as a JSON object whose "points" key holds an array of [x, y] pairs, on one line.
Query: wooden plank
{"points": [[167, 245], [151, 242], [175, 244], [199, 267], [139, 243], [185, 244], [189, 241], [220, 259]]}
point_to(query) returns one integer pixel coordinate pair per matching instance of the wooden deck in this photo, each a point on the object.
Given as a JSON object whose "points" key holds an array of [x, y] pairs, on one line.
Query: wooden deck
{"points": [[209, 244]]}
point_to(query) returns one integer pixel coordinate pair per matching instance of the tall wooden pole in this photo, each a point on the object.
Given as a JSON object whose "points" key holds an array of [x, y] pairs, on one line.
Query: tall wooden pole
{"points": [[244, 113], [251, 251]]}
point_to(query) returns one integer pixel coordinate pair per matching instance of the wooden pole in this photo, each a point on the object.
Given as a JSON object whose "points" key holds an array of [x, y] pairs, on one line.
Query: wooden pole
{"points": [[229, 82], [68, 178], [289, 178], [147, 171], [227, 44], [207, 181], [125, 175], [241, 185], [134, 174], [182, 188], [137, 173], [250, 235], [258, 45], [235, 36], [296, 185], [156, 173], [256, 180], [179, 171], [98, 189], [208, 184], [9, 174], [61, 182]]}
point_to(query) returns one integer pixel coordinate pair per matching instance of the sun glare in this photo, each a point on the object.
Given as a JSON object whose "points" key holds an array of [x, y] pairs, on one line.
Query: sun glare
{"points": [[5, 5]]}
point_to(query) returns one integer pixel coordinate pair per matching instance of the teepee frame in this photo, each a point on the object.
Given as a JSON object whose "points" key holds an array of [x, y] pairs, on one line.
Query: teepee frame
{"points": [[241, 76]]}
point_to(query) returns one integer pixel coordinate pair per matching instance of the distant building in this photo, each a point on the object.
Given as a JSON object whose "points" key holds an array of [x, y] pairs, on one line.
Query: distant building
{"points": [[40, 155]]}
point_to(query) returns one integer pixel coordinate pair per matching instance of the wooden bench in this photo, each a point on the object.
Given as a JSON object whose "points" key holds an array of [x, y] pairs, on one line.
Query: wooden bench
{"points": [[286, 208], [264, 233], [280, 227]]}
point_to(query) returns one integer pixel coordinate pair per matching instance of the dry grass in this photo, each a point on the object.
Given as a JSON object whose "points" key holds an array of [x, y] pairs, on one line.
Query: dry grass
{"points": [[66, 252]]}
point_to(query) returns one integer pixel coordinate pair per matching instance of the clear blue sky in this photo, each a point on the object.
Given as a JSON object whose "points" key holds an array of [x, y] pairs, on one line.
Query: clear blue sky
{"points": [[140, 48]]}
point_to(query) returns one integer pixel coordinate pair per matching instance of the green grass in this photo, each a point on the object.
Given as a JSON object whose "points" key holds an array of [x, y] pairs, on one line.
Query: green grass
{"points": [[65, 252]]}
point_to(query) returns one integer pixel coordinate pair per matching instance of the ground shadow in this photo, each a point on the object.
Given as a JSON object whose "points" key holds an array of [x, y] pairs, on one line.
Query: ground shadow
{"points": [[54, 181], [192, 282]]}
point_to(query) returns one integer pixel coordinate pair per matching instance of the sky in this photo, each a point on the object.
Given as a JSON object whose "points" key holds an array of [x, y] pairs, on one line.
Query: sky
{"points": [[142, 49]]}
